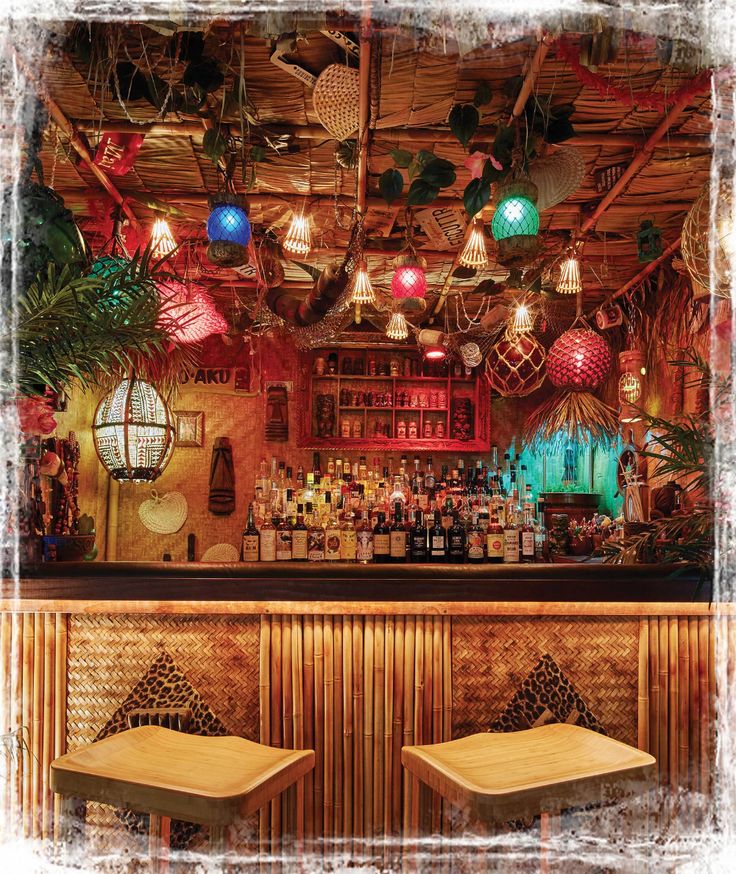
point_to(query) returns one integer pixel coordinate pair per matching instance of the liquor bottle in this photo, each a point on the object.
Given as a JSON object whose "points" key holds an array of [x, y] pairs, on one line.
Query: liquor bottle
{"points": [[541, 545], [283, 540], [527, 538], [381, 540], [332, 532], [456, 540], [510, 537], [315, 539], [348, 538], [494, 541], [364, 536], [299, 536], [268, 540], [397, 542], [429, 479], [250, 550], [418, 538], [475, 541], [437, 539]]}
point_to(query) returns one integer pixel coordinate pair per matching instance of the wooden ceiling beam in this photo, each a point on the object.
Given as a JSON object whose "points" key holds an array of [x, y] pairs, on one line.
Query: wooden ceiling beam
{"points": [[419, 135], [640, 159], [77, 143]]}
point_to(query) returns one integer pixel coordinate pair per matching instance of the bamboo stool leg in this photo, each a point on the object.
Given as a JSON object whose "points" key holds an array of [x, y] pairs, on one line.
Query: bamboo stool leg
{"points": [[159, 835], [549, 826], [72, 812]]}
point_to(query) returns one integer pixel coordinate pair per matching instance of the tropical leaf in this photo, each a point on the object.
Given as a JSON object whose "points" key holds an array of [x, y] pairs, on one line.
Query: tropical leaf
{"points": [[401, 157], [421, 193], [463, 121], [482, 95], [439, 173], [476, 195], [390, 184]]}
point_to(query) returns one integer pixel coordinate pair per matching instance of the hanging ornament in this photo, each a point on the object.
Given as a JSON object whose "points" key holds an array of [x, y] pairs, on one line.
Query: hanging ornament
{"points": [[697, 241], [578, 360], [569, 281], [515, 222], [298, 239], [648, 242], [577, 363], [398, 327], [474, 253], [632, 367], [471, 354], [409, 279], [515, 365], [162, 240], [188, 314], [228, 230], [362, 292], [133, 432], [431, 344], [114, 267]]}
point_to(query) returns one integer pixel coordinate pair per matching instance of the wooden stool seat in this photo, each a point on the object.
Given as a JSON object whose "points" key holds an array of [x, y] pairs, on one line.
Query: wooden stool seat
{"points": [[504, 776], [206, 780]]}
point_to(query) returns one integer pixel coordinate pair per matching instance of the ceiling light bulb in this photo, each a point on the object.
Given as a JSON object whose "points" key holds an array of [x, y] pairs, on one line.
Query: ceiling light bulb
{"points": [[474, 253], [569, 281], [298, 239], [362, 289], [162, 240], [397, 328]]}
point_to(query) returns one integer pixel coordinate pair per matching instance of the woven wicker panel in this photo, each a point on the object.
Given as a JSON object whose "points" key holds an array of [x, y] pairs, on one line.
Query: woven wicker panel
{"points": [[491, 659], [108, 656]]}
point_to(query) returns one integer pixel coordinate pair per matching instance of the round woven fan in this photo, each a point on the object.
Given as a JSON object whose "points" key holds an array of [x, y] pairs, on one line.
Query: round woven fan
{"points": [[221, 552], [335, 100], [557, 176], [164, 514]]}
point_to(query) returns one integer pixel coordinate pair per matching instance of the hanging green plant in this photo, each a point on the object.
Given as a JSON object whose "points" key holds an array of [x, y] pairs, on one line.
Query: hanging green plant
{"points": [[214, 145], [464, 120], [390, 184], [483, 95]]}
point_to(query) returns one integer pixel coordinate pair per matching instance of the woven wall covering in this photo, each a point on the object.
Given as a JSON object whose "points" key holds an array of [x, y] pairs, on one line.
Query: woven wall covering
{"points": [[491, 659], [212, 661]]}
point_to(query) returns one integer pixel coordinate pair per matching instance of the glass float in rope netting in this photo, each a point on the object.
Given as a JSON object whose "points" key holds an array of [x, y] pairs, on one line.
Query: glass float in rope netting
{"points": [[228, 230], [515, 365], [515, 222]]}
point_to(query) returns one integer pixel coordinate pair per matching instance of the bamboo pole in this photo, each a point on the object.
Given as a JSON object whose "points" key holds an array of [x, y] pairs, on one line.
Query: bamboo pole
{"points": [[643, 686], [409, 646], [358, 687], [703, 647], [15, 775], [694, 709], [397, 734], [338, 742], [418, 718], [328, 812], [654, 688], [712, 700], [319, 725], [436, 736], [27, 718], [287, 735], [309, 813], [297, 685], [446, 703], [388, 724], [6, 642], [379, 684], [37, 725], [368, 715], [664, 681], [264, 709], [347, 719], [60, 681], [684, 701], [674, 700], [276, 725], [47, 724]]}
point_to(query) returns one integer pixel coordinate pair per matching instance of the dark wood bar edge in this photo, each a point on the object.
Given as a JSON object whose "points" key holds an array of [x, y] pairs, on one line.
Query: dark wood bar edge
{"points": [[119, 582]]}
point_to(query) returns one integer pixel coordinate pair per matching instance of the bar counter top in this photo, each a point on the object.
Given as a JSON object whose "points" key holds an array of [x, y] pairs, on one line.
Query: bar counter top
{"points": [[340, 587]]}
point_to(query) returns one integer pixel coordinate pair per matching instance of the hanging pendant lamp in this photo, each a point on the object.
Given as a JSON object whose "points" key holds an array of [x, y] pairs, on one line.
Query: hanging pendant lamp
{"points": [[228, 230]]}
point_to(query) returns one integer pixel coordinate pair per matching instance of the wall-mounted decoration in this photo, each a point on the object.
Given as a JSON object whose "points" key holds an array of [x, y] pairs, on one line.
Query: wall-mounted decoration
{"points": [[117, 152], [164, 514], [277, 413], [221, 552], [222, 479], [189, 427]]}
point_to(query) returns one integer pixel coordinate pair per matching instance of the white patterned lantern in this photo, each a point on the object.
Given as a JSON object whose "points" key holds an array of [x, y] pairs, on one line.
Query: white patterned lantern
{"points": [[133, 432]]}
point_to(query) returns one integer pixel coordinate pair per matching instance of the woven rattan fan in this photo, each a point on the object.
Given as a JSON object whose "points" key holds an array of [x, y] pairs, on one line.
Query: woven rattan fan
{"points": [[164, 514], [557, 176], [336, 89]]}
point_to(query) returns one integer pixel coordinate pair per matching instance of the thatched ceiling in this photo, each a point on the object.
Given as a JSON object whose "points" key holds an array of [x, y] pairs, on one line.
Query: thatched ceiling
{"points": [[413, 89]]}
